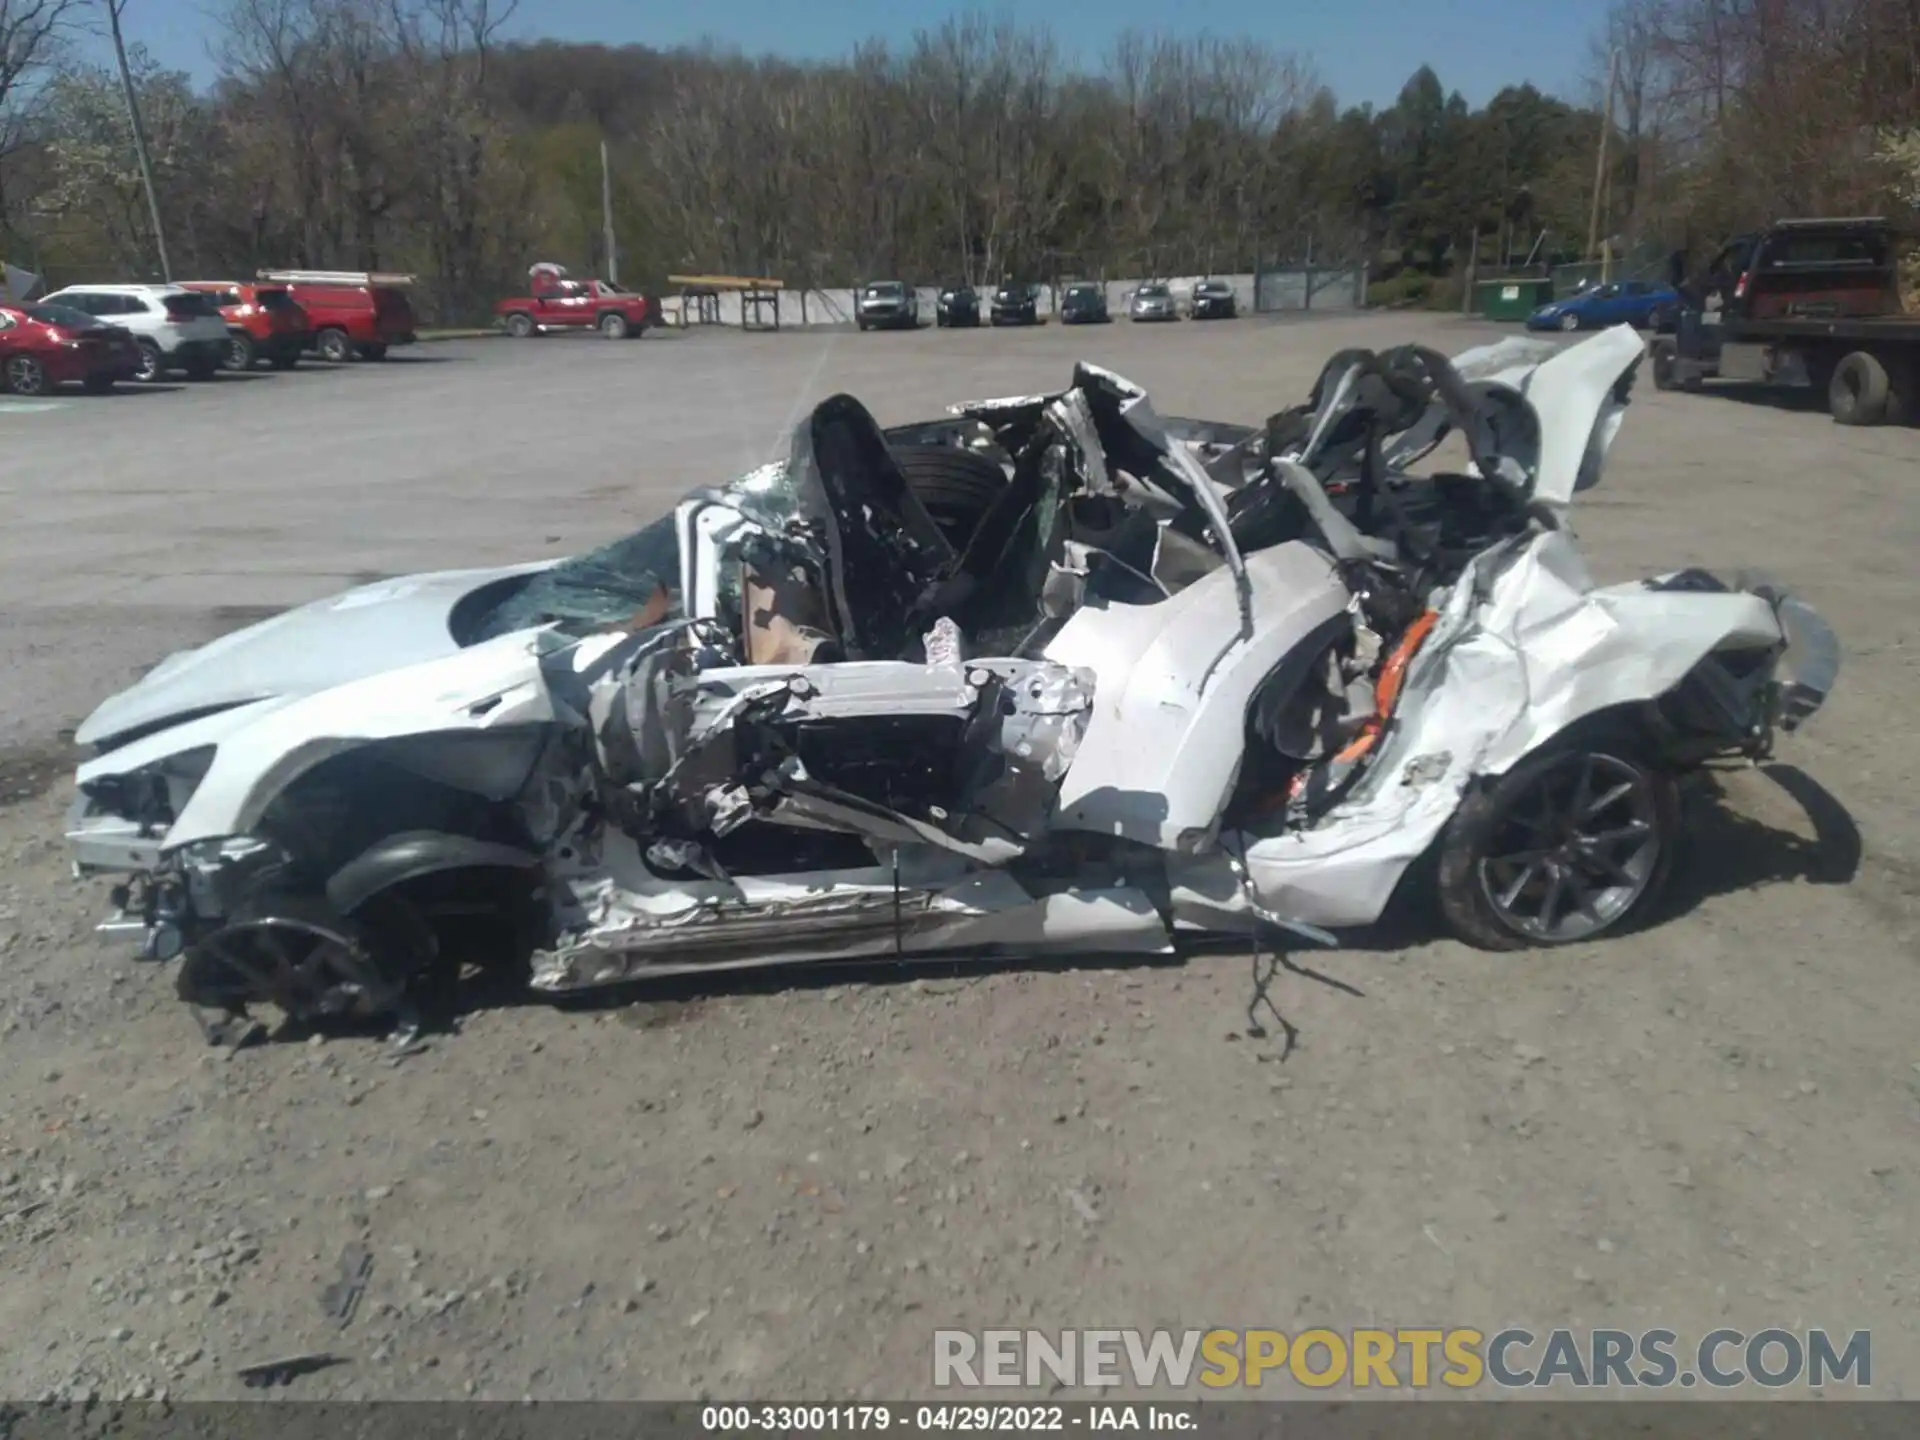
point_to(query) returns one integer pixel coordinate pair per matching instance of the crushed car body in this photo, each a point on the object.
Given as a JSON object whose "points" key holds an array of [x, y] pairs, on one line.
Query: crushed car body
{"points": [[1050, 674]]}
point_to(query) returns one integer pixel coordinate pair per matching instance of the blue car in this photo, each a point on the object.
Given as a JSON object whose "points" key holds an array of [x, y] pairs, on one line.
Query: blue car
{"points": [[1620, 302]]}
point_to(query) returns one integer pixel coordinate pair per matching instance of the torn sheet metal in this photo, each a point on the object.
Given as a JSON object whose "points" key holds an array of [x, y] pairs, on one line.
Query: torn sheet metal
{"points": [[823, 739], [1139, 676], [843, 916]]}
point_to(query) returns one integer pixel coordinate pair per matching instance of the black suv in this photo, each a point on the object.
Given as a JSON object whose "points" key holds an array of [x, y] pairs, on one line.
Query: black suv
{"points": [[1213, 300], [1085, 303], [1016, 305], [887, 305], [958, 305]]}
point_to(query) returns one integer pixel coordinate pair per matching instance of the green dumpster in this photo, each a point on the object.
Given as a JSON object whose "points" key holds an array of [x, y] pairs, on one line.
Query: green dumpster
{"points": [[1514, 297]]}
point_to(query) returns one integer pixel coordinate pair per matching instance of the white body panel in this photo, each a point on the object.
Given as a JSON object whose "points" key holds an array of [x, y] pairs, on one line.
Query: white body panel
{"points": [[1129, 726], [1164, 746]]}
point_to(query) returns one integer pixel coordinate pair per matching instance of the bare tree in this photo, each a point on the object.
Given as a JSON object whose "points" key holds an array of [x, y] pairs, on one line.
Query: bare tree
{"points": [[32, 37]]}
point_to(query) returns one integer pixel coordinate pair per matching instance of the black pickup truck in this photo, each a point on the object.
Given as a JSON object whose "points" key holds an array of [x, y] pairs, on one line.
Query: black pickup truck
{"points": [[1806, 302]]}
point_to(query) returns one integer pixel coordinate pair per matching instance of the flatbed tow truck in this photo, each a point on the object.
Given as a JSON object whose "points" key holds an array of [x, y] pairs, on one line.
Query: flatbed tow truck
{"points": [[1804, 302]]}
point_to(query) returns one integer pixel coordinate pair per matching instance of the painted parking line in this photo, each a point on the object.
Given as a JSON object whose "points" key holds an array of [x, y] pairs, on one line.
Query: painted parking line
{"points": [[10, 406]]}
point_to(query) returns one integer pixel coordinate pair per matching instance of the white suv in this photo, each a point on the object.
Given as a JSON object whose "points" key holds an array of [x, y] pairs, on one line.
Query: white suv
{"points": [[175, 328]]}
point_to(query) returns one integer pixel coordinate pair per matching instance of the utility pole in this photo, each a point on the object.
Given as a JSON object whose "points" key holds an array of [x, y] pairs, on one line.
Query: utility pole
{"points": [[1600, 165], [606, 215], [114, 7]]}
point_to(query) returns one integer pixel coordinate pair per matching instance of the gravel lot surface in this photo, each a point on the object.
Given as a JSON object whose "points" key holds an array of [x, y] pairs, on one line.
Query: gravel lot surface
{"points": [[777, 1188]]}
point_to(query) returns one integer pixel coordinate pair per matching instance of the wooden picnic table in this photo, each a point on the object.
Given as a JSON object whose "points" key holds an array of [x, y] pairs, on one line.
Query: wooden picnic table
{"points": [[700, 299]]}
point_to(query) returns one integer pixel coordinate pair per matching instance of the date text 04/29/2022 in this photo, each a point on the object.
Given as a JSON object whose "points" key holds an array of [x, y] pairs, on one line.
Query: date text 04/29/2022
{"points": [[917, 1419]]}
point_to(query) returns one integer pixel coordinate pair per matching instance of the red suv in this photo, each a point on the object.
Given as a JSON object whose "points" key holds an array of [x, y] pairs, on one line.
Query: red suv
{"points": [[353, 312], [263, 322]]}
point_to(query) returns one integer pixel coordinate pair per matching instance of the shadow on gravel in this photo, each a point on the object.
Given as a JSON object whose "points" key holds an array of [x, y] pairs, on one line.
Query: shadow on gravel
{"points": [[1728, 852], [1793, 399], [681, 996]]}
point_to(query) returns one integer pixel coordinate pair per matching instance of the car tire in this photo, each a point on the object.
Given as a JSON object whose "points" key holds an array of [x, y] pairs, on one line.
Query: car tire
{"points": [[1569, 322], [1487, 865], [1859, 390], [26, 376], [241, 353], [520, 325], [373, 352], [1663, 360], [613, 327], [153, 364], [956, 486], [334, 346]]}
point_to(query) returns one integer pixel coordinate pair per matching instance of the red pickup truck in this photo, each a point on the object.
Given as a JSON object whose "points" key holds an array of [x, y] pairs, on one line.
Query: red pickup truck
{"points": [[353, 312], [558, 302]]}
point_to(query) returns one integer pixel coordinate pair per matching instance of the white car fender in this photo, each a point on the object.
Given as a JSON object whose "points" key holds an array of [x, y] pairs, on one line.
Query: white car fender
{"points": [[1631, 647], [494, 686]]}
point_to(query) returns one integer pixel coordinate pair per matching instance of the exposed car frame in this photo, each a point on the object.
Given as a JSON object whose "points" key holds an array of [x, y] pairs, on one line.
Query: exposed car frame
{"points": [[1050, 674]]}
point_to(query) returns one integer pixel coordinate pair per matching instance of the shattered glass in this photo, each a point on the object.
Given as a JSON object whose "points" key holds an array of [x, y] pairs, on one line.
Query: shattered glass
{"points": [[600, 590]]}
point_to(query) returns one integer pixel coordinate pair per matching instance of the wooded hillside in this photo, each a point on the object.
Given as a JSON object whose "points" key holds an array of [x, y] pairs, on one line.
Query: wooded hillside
{"points": [[404, 134]]}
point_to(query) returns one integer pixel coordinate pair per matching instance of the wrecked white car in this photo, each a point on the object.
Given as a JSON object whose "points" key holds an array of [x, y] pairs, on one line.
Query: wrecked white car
{"points": [[1050, 675]]}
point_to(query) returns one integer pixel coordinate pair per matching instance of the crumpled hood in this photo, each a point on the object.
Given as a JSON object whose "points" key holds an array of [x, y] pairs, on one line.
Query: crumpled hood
{"points": [[303, 651]]}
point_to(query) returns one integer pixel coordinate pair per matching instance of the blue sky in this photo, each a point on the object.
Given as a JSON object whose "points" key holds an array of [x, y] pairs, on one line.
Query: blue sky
{"points": [[1364, 50]]}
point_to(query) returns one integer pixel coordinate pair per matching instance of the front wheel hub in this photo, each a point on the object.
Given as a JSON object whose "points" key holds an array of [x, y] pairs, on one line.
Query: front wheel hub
{"points": [[1575, 850]]}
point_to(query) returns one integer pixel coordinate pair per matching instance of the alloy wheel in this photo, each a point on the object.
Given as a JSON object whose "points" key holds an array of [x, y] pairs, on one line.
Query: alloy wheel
{"points": [[1572, 852], [26, 376]]}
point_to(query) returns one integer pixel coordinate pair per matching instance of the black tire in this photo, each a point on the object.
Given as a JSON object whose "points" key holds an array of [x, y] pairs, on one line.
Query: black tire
{"points": [[26, 376], [1859, 390], [334, 346], [241, 353], [955, 485], [1663, 358], [373, 352], [153, 364], [613, 327], [1632, 838], [520, 325]]}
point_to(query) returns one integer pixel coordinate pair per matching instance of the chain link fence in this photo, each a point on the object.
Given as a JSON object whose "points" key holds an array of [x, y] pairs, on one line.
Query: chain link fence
{"points": [[1288, 288]]}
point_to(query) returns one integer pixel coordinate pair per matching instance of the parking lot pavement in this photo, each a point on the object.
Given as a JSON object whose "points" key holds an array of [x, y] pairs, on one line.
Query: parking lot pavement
{"points": [[782, 1186]]}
